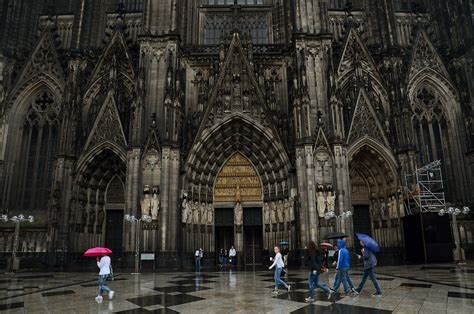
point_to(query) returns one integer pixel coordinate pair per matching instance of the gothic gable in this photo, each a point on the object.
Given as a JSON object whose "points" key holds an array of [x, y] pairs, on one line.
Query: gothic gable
{"points": [[236, 91], [107, 126], [425, 57], [365, 122], [116, 56], [43, 64], [321, 140], [356, 56]]}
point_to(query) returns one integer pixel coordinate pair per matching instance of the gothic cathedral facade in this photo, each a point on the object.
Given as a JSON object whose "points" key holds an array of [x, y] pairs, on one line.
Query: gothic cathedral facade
{"points": [[232, 122]]}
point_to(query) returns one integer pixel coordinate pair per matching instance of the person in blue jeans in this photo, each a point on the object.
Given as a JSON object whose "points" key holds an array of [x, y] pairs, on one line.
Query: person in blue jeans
{"points": [[342, 268], [370, 261], [197, 260], [278, 262], [314, 261]]}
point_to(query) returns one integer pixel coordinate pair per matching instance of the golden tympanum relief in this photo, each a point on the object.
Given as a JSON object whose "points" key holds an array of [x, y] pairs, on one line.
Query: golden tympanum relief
{"points": [[237, 182]]}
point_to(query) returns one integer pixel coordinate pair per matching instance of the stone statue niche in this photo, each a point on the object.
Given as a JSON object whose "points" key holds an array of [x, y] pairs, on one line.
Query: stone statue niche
{"points": [[266, 213], [331, 201], [184, 208], [321, 199], [238, 214], [146, 201], [155, 202]]}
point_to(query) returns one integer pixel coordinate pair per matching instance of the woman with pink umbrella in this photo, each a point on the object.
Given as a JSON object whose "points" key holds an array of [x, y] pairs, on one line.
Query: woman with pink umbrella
{"points": [[104, 264]]}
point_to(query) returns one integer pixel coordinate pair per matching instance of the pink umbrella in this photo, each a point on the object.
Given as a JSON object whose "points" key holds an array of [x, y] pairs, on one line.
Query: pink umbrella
{"points": [[97, 251], [328, 245]]}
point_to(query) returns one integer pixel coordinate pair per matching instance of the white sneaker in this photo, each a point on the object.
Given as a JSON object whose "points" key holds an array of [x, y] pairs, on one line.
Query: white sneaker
{"points": [[98, 299], [309, 300], [330, 294], [111, 295], [289, 288], [275, 291]]}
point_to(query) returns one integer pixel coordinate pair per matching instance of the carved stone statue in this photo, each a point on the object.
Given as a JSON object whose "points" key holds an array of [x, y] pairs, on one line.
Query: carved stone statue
{"points": [[190, 212], [155, 205], [184, 211], [383, 208], [287, 210], [273, 213], [203, 210], [146, 201], [266, 213], [321, 204], [331, 201], [393, 207], [196, 213], [292, 209], [239, 214], [280, 213], [401, 206], [210, 214]]}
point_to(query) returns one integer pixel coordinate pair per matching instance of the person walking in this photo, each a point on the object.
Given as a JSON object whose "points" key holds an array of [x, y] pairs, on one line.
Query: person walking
{"points": [[104, 264], [233, 255], [342, 268], [314, 261], [370, 261], [278, 264]]}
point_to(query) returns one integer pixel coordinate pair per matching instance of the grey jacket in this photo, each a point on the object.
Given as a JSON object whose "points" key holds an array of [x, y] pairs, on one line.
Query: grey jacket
{"points": [[370, 261]]}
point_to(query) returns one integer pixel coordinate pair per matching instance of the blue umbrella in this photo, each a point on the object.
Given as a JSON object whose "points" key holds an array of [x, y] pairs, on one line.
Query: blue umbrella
{"points": [[369, 243]]}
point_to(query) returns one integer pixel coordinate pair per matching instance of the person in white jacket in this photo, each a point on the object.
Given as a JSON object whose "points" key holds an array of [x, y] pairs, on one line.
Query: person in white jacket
{"points": [[104, 272], [278, 262]]}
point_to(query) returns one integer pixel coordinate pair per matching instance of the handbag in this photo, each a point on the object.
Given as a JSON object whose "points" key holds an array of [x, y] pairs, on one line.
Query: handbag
{"points": [[110, 277]]}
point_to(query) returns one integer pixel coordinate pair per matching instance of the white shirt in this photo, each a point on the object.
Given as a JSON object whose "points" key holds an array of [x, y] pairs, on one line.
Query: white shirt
{"points": [[278, 261], [197, 253], [104, 265], [232, 253]]}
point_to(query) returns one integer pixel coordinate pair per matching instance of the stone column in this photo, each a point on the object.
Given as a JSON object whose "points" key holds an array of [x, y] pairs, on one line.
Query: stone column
{"points": [[165, 175], [303, 219], [132, 200], [343, 184], [174, 206], [313, 216]]}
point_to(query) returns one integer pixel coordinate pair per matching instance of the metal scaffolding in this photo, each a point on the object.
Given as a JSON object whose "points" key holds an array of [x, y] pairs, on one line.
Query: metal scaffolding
{"points": [[424, 189]]}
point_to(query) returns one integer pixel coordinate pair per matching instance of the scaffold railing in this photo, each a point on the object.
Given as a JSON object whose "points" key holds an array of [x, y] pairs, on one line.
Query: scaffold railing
{"points": [[424, 189]]}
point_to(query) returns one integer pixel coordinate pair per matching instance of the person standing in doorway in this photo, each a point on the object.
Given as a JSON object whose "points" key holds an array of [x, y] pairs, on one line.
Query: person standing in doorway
{"points": [[342, 268], [278, 264], [197, 260], [370, 261], [233, 256], [104, 264], [314, 261]]}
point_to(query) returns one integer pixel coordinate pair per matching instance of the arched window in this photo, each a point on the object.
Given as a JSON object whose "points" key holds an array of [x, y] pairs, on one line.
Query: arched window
{"points": [[431, 128], [38, 152]]}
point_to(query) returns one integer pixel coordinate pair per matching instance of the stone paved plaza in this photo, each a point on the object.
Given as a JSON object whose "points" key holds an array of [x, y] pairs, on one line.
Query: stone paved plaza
{"points": [[443, 288]]}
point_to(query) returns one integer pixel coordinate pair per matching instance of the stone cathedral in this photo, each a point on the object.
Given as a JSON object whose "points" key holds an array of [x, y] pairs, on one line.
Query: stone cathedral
{"points": [[228, 122]]}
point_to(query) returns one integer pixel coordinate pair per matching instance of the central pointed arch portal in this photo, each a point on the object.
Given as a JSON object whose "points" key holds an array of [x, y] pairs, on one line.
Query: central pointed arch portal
{"points": [[238, 162]]}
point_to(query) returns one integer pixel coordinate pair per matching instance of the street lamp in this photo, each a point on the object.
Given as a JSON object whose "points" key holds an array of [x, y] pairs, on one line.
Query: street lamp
{"points": [[454, 212], [137, 222], [17, 220]]}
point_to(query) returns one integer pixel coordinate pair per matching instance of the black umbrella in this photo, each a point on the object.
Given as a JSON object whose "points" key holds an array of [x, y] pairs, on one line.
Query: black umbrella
{"points": [[335, 235]]}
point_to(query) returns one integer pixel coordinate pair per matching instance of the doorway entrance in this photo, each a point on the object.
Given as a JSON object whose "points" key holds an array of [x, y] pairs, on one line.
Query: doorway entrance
{"points": [[224, 229], [361, 222], [253, 245], [253, 236], [114, 231]]}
